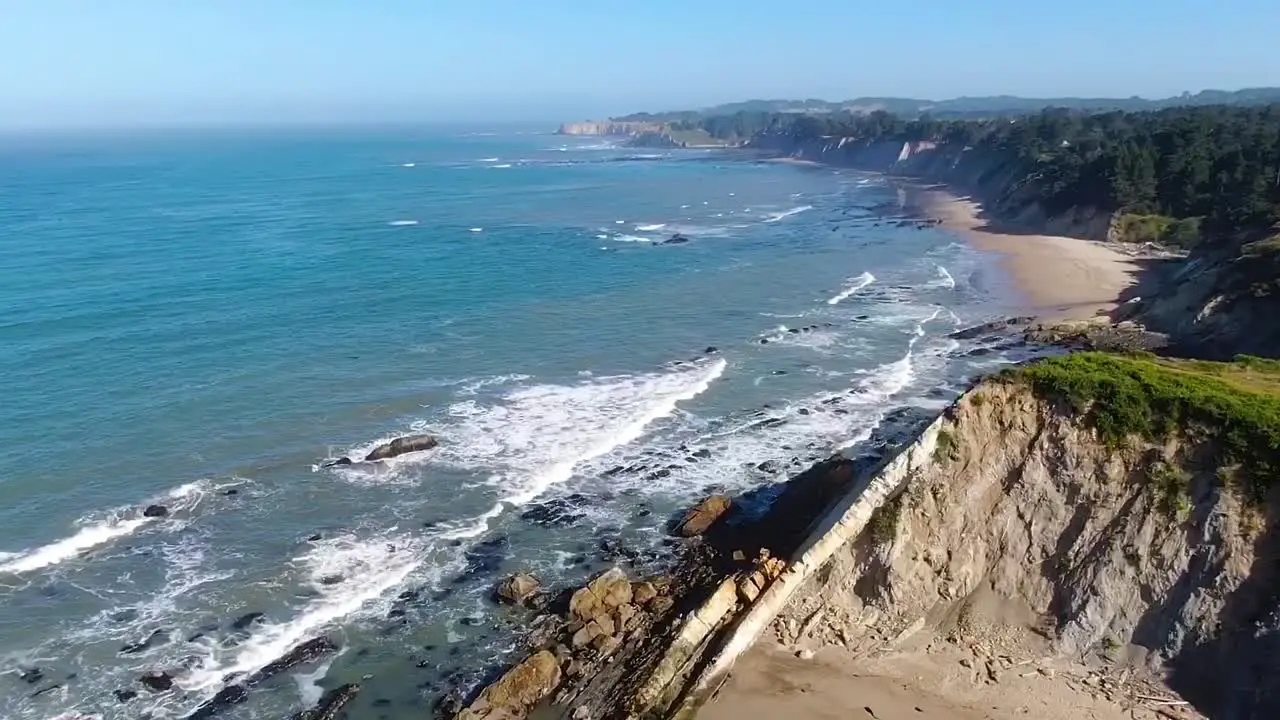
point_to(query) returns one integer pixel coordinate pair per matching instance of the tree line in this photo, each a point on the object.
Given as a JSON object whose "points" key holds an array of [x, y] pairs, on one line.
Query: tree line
{"points": [[1212, 167]]}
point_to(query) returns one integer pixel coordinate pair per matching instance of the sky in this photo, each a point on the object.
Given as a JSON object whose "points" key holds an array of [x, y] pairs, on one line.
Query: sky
{"points": [[158, 62]]}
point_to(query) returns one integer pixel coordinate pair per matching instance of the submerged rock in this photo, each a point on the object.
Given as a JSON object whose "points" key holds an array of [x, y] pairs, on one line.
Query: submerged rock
{"points": [[331, 703], [157, 681]]}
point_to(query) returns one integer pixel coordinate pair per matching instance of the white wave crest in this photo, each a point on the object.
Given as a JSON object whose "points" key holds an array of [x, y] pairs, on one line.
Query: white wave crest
{"points": [[536, 436], [347, 572], [944, 279], [631, 238], [118, 523], [402, 223], [858, 283], [775, 217], [650, 227]]}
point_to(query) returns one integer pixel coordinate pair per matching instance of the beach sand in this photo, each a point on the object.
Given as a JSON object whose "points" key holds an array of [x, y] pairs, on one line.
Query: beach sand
{"points": [[1061, 278], [940, 682]]}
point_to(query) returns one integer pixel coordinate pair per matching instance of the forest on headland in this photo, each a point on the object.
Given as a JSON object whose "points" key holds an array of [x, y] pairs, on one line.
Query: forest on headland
{"points": [[1177, 175]]}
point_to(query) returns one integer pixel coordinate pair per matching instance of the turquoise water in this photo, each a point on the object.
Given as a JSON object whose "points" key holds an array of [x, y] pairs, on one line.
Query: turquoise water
{"points": [[199, 320]]}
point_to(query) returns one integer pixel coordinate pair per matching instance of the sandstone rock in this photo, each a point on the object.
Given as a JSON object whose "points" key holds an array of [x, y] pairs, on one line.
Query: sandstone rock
{"points": [[750, 586], [518, 589], [627, 617], [703, 515], [606, 645], [643, 592], [605, 592], [400, 446], [661, 605], [522, 687]]}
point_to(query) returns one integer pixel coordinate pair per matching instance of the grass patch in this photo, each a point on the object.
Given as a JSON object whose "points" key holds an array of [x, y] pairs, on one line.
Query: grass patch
{"points": [[883, 524], [1237, 404], [948, 448], [1172, 485]]}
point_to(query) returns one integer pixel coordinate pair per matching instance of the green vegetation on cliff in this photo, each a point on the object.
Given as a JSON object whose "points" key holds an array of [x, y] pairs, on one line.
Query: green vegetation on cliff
{"points": [[1237, 404]]}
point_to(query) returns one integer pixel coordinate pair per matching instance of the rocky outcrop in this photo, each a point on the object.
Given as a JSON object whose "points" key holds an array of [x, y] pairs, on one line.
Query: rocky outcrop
{"points": [[401, 446], [1218, 303]]}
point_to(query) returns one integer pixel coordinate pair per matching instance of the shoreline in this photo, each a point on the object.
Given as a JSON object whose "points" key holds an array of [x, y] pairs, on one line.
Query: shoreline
{"points": [[1061, 279]]}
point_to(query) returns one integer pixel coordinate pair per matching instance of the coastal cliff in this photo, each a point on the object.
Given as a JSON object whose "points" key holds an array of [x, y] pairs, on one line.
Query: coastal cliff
{"points": [[1107, 516], [993, 178], [609, 128]]}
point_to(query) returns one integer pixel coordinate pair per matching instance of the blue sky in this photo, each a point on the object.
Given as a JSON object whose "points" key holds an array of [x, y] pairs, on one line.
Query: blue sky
{"points": [[73, 62]]}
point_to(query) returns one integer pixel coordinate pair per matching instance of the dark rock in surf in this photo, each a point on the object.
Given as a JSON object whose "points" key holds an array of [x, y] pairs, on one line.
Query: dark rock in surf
{"points": [[977, 331], [314, 538], [676, 239], [157, 681], [711, 350], [155, 511], [400, 446], [32, 676], [768, 466], [703, 453], [309, 651], [248, 619], [339, 461], [158, 637], [555, 513], [125, 696], [226, 697], [331, 703], [863, 317], [44, 690]]}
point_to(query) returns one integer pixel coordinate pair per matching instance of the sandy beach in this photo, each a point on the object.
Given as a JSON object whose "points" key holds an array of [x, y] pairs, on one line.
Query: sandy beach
{"points": [[1062, 278]]}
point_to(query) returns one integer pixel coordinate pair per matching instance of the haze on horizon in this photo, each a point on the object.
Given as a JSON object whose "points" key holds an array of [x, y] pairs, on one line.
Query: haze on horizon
{"points": [[73, 63]]}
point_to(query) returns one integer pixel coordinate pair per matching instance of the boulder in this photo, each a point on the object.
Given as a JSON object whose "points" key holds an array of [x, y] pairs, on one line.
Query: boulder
{"points": [[601, 596], [703, 515], [157, 681], [400, 446], [643, 592], [155, 511], [159, 637], [522, 687], [518, 589]]}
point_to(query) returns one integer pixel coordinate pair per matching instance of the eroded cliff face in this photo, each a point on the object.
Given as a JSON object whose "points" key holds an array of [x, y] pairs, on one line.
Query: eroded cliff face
{"points": [[1141, 554], [993, 178], [1218, 303]]}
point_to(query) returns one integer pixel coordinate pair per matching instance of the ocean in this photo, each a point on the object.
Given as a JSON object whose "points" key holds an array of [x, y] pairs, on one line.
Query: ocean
{"points": [[200, 319]]}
